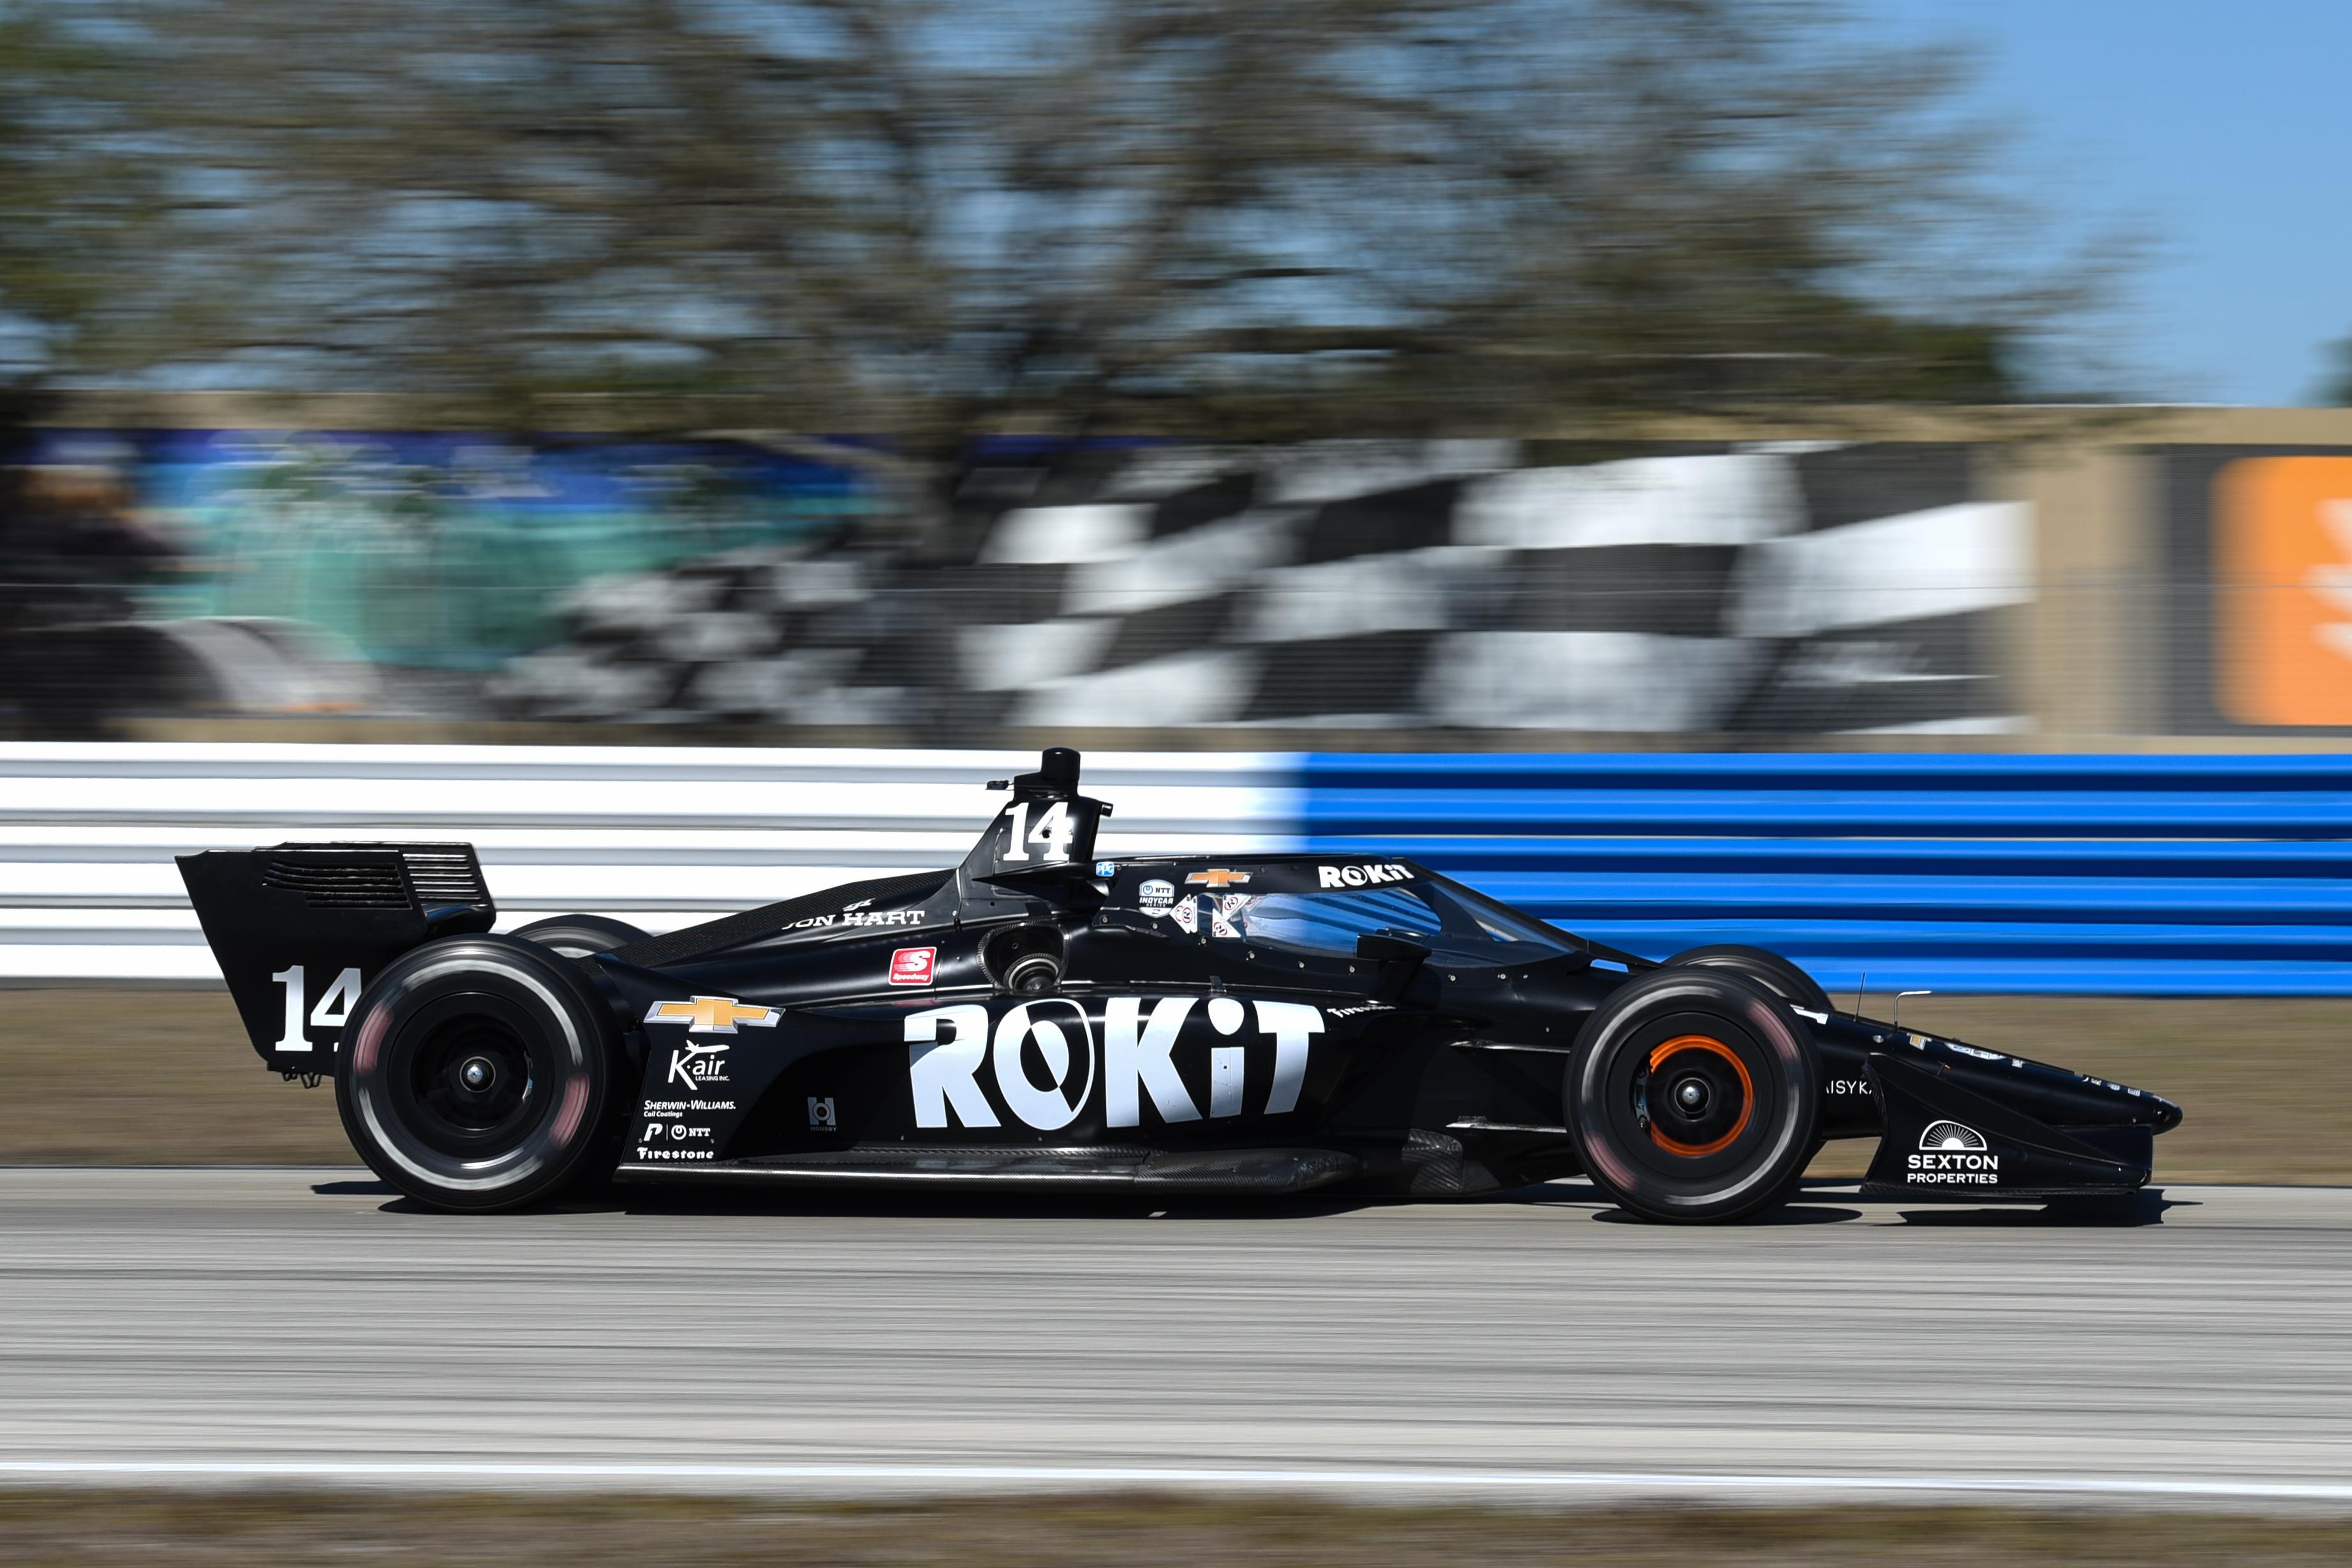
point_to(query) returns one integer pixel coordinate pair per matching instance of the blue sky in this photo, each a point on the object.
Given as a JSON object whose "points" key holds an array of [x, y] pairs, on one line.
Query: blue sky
{"points": [[2221, 131]]}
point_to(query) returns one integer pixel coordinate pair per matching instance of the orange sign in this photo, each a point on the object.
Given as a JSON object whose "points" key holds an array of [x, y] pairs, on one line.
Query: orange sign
{"points": [[2283, 590]]}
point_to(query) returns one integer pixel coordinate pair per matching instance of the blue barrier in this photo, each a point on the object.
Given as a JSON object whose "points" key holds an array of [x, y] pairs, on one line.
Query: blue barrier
{"points": [[2092, 875]]}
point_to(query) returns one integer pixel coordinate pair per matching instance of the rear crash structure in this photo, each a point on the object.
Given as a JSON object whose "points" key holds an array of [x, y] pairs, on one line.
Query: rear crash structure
{"points": [[1040, 1015]]}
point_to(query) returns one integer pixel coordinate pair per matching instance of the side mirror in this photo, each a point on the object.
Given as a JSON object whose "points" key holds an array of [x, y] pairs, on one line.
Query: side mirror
{"points": [[1386, 947], [1399, 958]]}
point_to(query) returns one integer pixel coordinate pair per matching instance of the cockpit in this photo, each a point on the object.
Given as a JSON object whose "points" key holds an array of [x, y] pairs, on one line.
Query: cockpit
{"points": [[1454, 924]]}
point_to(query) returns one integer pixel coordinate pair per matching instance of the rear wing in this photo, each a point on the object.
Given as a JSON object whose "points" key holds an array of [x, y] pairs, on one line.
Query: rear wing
{"points": [[300, 929]]}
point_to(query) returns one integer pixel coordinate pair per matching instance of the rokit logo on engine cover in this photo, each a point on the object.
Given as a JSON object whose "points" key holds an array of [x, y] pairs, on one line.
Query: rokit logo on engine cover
{"points": [[1951, 1154], [1041, 1057]]}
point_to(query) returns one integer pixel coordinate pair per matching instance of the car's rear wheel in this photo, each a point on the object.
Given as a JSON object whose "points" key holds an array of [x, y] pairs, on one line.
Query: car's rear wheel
{"points": [[477, 1073], [1767, 968], [578, 936], [1693, 1095]]}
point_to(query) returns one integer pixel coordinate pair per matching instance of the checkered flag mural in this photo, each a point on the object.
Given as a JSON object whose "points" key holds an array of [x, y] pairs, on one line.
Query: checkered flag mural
{"points": [[1430, 586]]}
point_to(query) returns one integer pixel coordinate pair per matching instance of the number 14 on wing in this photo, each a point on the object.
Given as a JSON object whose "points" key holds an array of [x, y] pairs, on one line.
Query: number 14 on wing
{"points": [[333, 1008]]}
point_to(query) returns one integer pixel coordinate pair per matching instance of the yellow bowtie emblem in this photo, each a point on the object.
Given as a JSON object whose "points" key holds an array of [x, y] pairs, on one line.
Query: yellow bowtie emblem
{"points": [[712, 1014]]}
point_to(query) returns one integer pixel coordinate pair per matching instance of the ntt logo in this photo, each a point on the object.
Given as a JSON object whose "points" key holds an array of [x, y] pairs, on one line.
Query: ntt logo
{"points": [[1953, 1154]]}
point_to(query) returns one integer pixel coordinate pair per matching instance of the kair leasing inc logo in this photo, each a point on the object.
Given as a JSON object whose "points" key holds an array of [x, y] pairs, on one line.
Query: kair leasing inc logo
{"points": [[698, 1064], [1953, 1154]]}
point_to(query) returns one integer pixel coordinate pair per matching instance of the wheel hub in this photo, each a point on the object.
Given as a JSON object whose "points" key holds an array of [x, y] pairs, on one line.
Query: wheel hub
{"points": [[1696, 1096], [472, 1077]]}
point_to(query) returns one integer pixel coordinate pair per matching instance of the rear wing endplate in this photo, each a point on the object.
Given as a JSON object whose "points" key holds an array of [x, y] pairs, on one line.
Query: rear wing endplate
{"points": [[299, 930]]}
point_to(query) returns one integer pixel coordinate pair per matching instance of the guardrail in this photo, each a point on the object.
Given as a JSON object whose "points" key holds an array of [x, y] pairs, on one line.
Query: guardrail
{"points": [[2128, 875], [658, 836], [2121, 874]]}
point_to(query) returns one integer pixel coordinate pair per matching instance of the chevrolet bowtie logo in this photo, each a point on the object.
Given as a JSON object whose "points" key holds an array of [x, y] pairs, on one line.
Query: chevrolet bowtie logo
{"points": [[1218, 879], [712, 1014]]}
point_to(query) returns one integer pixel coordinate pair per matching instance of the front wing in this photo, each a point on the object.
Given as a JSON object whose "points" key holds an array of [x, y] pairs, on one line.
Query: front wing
{"points": [[1961, 1122]]}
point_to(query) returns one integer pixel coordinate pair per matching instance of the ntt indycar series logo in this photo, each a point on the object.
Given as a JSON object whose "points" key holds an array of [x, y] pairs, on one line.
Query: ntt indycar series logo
{"points": [[1951, 1154]]}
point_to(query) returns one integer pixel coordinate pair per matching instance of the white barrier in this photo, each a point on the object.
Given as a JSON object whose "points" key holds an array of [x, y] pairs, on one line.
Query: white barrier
{"points": [[660, 837]]}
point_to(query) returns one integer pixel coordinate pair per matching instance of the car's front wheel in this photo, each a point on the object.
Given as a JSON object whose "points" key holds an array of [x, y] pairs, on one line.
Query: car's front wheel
{"points": [[1693, 1095], [1765, 967], [478, 1073]]}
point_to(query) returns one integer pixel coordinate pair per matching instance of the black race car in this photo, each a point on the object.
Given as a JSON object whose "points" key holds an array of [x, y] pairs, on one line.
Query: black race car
{"points": [[1245, 1023]]}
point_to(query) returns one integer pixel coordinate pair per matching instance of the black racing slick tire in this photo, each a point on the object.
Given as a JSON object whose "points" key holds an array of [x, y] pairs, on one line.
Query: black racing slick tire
{"points": [[1693, 1095], [478, 1073], [579, 936], [1767, 968]]}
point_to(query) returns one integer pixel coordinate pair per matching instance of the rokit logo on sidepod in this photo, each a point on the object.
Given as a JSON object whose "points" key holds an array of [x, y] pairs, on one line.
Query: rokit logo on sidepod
{"points": [[1041, 1057]]}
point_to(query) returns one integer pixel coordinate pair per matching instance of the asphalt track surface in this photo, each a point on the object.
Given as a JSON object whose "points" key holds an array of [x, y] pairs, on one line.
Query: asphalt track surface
{"points": [[236, 1324]]}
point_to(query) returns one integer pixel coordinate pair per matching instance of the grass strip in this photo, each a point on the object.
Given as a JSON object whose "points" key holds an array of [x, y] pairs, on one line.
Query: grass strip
{"points": [[269, 1529]]}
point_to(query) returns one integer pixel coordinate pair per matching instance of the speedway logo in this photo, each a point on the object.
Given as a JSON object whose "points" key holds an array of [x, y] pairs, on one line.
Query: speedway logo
{"points": [[1043, 1059], [1953, 1154]]}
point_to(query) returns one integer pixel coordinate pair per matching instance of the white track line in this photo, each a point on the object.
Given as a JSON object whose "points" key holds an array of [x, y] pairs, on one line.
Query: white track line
{"points": [[939, 1475]]}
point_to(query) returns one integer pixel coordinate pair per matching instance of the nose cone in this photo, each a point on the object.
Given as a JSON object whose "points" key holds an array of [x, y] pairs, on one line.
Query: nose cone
{"points": [[2049, 1094], [2117, 1103]]}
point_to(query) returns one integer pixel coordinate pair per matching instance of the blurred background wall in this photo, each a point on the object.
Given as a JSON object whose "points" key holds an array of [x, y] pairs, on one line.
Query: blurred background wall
{"points": [[1382, 373], [2172, 577]]}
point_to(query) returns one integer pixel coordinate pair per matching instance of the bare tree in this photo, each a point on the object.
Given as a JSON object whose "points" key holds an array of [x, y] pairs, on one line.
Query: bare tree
{"points": [[919, 220], [72, 197]]}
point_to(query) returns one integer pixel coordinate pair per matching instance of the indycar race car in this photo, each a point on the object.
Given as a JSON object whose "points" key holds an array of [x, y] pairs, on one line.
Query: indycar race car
{"points": [[1266, 1024]]}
